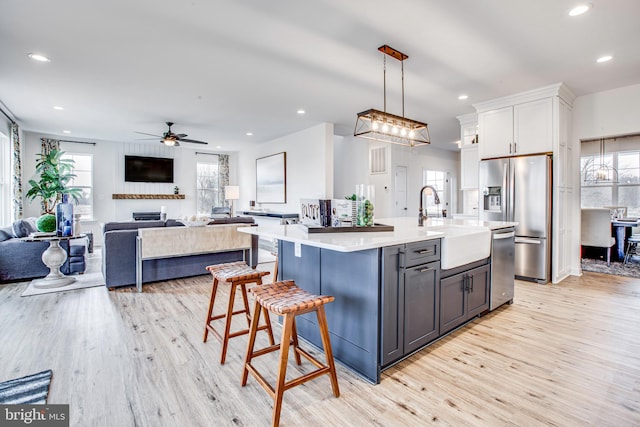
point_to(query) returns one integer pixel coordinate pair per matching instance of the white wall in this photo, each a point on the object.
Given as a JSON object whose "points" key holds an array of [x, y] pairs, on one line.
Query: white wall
{"points": [[609, 113], [431, 158], [309, 167], [108, 175], [351, 164], [352, 167]]}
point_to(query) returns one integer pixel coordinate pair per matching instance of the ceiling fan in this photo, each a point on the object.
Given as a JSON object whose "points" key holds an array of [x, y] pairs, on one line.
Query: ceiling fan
{"points": [[173, 139]]}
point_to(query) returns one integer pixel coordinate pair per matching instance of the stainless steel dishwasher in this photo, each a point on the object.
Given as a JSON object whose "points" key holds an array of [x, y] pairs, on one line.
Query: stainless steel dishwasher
{"points": [[502, 267]]}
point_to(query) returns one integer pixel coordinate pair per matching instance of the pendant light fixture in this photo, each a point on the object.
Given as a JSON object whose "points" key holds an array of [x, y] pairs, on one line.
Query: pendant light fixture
{"points": [[600, 173], [387, 127]]}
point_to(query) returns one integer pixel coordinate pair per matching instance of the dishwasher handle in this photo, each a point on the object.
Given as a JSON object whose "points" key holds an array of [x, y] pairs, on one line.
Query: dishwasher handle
{"points": [[498, 236]]}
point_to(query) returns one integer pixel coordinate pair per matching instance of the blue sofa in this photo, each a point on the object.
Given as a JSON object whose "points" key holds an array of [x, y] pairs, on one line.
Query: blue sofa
{"points": [[119, 254], [20, 260]]}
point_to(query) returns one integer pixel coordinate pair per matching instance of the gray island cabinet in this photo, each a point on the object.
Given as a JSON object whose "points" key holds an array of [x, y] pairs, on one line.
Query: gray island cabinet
{"points": [[392, 297], [387, 300]]}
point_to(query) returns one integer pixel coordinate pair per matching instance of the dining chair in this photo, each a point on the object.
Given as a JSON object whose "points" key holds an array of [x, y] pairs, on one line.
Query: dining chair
{"points": [[596, 229]]}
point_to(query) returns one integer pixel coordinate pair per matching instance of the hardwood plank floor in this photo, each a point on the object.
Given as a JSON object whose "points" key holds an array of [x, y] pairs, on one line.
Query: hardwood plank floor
{"points": [[561, 355]]}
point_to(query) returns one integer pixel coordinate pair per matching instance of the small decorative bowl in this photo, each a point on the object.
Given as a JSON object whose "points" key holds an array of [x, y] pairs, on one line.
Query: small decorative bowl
{"points": [[197, 222]]}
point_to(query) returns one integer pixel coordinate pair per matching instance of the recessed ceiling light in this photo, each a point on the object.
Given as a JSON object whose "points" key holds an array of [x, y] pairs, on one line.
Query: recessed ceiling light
{"points": [[66, 131], [463, 97], [301, 111], [38, 57], [605, 58], [580, 9], [218, 146], [249, 134], [57, 107]]}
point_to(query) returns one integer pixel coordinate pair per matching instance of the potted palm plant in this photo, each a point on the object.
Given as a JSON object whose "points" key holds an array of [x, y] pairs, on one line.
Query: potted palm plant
{"points": [[55, 175]]}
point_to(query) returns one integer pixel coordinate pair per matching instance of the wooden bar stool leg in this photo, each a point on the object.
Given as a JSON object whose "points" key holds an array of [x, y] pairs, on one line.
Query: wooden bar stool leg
{"points": [[267, 320], [211, 303], [245, 301], [282, 366], [227, 325], [253, 329], [326, 343], [294, 338]]}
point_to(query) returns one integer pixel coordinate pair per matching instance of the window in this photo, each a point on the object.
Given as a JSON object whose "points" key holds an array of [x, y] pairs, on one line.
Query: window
{"points": [[5, 181], [440, 180], [83, 169], [625, 192], [208, 189]]}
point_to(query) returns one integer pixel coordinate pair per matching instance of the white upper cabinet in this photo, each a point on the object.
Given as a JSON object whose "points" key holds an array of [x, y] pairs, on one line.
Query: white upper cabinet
{"points": [[524, 128]]}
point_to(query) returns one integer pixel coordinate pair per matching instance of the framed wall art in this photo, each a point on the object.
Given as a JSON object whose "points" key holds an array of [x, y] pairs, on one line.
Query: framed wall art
{"points": [[271, 178]]}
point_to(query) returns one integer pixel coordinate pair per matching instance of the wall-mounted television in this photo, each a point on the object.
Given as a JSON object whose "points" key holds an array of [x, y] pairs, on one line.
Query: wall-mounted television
{"points": [[148, 169]]}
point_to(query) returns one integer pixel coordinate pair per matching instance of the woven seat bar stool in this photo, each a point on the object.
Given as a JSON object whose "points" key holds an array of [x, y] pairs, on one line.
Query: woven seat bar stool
{"points": [[234, 274], [288, 300]]}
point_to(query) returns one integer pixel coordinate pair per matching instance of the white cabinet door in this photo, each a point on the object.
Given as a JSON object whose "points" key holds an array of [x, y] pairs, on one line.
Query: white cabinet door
{"points": [[495, 130], [469, 168], [533, 127]]}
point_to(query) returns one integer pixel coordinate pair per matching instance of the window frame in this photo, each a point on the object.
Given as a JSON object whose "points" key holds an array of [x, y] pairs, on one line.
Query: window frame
{"points": [[71, 155], [209, 159]]}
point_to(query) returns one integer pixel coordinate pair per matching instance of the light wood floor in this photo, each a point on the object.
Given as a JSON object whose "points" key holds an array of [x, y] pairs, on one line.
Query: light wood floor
{"points": [[564, 355]]}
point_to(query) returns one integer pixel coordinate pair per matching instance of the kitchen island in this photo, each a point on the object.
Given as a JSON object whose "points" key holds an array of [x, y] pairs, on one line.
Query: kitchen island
{"points": [[387, 285]]}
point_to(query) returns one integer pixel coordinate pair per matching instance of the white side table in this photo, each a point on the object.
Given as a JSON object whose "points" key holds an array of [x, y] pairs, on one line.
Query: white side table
{"points": [[53, 257]]}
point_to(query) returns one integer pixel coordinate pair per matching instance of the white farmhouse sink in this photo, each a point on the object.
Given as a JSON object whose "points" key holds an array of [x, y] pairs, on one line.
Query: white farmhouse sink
{"points": [[462, 245]]}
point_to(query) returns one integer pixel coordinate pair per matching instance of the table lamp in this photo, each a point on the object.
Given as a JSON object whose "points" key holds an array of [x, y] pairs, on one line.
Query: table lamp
{"points": [[231, 192]]}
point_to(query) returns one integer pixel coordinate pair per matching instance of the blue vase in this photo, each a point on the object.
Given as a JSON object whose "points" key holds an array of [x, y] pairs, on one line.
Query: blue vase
{"points": [[64, 218]]}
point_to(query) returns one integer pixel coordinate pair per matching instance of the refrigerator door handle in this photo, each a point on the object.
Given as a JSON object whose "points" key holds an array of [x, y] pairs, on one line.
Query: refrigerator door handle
{"points": [[530, 241], [506, 213]]}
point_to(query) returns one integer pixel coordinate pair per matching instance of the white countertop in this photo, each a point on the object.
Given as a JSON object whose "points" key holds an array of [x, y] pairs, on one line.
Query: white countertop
{"points": [[406, 230]]}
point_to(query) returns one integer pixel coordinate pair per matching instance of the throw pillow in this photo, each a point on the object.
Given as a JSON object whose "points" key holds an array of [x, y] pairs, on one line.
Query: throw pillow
{"points": [[6, 233], [24, 227]]}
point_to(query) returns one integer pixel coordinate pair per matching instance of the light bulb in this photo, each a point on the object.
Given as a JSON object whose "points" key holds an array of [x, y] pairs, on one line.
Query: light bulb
{"points": [[394, 129], [385, 127], [411, 133], [374, 126], [403, 131]]}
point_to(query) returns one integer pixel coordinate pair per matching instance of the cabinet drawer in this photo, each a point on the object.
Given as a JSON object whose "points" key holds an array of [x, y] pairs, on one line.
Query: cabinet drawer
{"points": [[422, 252]]}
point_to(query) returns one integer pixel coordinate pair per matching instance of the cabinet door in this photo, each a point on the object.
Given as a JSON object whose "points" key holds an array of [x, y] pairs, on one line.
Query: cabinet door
{"points": [[469, 168], [392, 315], [478, 291], [533, 127], [496, 133], [421, 305], [453, 310]]}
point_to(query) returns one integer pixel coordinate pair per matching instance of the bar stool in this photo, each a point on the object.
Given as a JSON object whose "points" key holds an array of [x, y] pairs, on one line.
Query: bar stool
{"points": [[234, 274], [288, 300], [632, 244]]}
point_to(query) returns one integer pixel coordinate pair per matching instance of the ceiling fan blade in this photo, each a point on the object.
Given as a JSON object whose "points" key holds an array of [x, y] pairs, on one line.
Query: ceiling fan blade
{"points": [[180, 135], [146, 139], [150, 134], [193, 141]]}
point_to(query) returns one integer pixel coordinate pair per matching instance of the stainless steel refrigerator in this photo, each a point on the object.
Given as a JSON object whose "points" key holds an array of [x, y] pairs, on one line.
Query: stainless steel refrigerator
{"points": [[519, 189]]}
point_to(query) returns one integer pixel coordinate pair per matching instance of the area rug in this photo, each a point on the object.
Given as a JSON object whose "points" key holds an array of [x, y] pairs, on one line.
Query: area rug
{"points": [[631, 269], [29, 390], [87, 280]]}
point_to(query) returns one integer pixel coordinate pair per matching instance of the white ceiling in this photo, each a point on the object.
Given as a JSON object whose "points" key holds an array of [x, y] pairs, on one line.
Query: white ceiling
{"points": [[219, 69]]}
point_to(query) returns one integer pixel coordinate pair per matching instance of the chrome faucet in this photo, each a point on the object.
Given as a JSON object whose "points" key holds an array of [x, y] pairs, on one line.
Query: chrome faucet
{"points": [[436, 200]]}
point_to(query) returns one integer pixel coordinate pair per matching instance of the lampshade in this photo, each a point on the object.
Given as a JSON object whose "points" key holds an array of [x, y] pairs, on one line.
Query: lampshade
{"points": [[231, 192], [387, 127]]}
